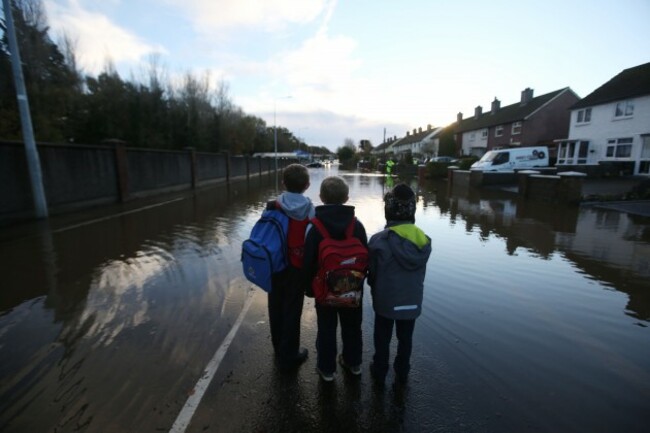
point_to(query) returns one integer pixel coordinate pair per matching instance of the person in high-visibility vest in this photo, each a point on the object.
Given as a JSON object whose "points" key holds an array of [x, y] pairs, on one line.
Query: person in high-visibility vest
{"points": [[389, 166]]}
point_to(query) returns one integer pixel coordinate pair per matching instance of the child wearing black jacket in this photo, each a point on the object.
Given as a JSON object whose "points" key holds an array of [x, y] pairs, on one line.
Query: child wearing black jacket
{"points": [[335, 216]]}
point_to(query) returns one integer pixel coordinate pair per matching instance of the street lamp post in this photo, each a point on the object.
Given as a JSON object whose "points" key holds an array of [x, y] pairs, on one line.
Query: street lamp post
{"points": [[31, 152]]}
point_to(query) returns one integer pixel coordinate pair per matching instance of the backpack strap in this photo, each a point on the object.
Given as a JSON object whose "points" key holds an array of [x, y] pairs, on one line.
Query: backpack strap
{"points": [[321, 228], [349, 231]]}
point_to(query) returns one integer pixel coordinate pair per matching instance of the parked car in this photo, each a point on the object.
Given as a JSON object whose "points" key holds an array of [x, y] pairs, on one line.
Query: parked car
{"points": [[316, 164], [445, 159]]}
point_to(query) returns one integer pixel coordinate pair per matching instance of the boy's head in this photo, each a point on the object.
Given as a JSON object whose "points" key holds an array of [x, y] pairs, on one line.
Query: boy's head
{"points": [[295, 178], [334, 190], [399, 204]]}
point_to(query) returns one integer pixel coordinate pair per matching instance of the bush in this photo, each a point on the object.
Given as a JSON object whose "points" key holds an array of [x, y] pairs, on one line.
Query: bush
{"points": [[437, 169], [466, 162]]}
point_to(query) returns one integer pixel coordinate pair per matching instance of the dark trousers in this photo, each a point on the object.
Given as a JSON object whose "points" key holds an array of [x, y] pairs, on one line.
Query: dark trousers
{"points": [[382, 336], [285, 309], [328, 318]]}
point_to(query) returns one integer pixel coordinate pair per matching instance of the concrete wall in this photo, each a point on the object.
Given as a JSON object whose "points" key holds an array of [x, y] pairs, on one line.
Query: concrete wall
{"points": [[531, 185], [151, 170], [78, 176]]}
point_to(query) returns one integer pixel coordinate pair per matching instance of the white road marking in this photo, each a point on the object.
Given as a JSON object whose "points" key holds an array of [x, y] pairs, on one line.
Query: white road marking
{"points": [[192, 403], [96, 220]]}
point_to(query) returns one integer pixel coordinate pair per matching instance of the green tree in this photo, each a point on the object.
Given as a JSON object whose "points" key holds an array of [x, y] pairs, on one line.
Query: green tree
{"points": [[50, 83], [347, 154], [448, 142]]}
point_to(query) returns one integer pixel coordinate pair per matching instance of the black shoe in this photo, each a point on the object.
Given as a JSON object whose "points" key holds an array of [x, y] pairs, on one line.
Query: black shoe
{"points": [[294, 361], [401, 375], [301, 356], [401, 379], [376, 375]]}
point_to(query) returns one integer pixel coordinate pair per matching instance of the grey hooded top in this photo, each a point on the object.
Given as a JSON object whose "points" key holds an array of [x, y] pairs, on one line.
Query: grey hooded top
{"points": [[398, 262], [296, 205]]}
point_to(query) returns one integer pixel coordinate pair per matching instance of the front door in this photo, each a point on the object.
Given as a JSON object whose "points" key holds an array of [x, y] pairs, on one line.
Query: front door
{"points": [[644, 161]]}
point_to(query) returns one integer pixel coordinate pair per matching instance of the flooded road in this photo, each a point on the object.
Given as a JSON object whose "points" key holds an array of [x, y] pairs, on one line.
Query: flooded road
{"points": [[535, 318]]}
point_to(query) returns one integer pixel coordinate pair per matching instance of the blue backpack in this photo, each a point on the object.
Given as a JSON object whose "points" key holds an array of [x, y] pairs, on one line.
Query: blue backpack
{"points": [[264, 253]]}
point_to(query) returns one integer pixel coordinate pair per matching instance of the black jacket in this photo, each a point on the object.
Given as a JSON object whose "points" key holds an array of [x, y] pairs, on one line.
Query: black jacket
{"points": [[335, 218]]}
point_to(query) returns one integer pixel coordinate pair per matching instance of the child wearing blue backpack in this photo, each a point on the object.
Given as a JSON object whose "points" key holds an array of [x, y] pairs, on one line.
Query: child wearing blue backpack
{"points": [[285, 299]]}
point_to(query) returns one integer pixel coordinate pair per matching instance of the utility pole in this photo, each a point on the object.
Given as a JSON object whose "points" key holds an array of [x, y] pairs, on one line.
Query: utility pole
{"points": [[33, 162]]}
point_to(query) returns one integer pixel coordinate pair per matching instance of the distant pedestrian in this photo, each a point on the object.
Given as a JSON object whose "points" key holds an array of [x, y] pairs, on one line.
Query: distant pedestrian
{"points": [[285, 300], [389, 166], [339, 221], [398, 260]]}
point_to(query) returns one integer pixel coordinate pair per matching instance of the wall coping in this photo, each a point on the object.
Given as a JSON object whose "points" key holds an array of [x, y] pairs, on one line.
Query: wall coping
{"points": [[572, 174]]}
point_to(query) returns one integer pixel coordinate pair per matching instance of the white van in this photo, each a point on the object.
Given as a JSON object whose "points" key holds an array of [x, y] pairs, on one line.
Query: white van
{"points": [[513, 158]]}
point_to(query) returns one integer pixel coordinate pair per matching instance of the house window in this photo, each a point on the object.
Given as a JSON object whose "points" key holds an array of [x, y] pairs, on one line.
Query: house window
{"points": [[472, 136], [484, 133], [624, 109], [516, 128], [619, 148], [584, 116], [498, 131]]}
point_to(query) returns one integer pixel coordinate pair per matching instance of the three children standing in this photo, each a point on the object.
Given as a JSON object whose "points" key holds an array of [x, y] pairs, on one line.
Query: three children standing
{"points": [[397, 264]]}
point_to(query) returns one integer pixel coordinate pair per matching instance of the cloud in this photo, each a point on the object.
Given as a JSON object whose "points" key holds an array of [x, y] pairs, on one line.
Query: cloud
{"points": [[330, 129], [323, 64], [211, 16], [98, 40]]}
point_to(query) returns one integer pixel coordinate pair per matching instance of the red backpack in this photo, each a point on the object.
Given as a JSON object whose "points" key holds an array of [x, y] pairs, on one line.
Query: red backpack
{"points": [[342, 268], [296, 241]]}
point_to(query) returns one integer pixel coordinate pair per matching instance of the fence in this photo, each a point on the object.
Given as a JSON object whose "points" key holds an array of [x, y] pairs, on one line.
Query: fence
{"points": [[79, 176]]}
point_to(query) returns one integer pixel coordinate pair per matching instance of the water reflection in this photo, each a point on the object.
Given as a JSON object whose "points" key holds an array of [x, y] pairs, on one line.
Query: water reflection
{"points": [[611, 247], [92, 304], [108, 318]]}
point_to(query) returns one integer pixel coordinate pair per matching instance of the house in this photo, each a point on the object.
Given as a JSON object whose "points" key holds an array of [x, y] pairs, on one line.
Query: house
{"points": [[420, 142], [533, 121], [386, 148], [610, 127]]}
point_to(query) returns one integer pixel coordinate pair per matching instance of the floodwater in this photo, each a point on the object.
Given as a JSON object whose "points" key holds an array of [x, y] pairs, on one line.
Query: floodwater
{"points": [[535, 318]]}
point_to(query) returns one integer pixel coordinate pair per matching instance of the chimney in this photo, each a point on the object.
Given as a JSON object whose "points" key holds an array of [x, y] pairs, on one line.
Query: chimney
{"points": [[415, 131], [496, 105], [526, 95], [395, 137], [478, 111], [408, 133], [429, 127], [459, 117], [419, 129]]}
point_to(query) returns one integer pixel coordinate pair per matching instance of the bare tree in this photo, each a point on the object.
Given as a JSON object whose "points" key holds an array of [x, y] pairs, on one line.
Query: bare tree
{"points": [[33, 13]]}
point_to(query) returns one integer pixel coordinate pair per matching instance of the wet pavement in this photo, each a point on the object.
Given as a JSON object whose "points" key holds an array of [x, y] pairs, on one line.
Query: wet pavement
{"points": [[536, 319]]}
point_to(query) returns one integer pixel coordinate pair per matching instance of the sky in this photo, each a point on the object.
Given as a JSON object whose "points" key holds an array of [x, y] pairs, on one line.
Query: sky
{"points": [[330, 70]]}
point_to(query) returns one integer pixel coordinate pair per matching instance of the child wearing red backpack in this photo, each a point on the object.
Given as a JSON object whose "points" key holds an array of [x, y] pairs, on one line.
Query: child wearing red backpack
{"points": [[339, 221], [285, 300]]}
